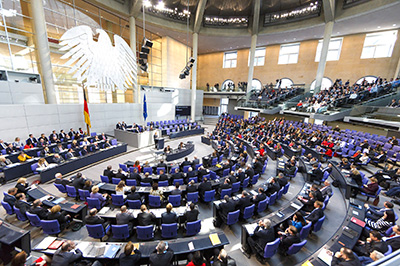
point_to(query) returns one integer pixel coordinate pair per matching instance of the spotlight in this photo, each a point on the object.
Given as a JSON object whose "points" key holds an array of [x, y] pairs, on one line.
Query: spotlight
{"points": [[142, 61], [191, 60], [186, 71], [145, 50], [144, 67], [147, 42], [182, 76], [143, 55]]}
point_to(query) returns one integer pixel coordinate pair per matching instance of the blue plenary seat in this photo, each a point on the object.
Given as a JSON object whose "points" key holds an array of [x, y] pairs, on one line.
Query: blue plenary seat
{"points": [[169, 230], [271, 248], [193, 228], [293, 249], [33, 219], [51, 227], [145, 232], [233, 217], [97, 231], [120, 231]]}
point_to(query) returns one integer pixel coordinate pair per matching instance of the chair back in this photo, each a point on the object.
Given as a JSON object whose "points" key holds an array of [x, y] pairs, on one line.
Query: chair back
{"points": [[93, 203], [209, 195], [120, 231], [193, 197], [227, 191], [245, 183], [248, 212], [235, 187], [272, 198], [172, 171], [123, 167], [305, 231], [131, 182], [389, 251], [225, 172], [51, 227], [213, 175], [214, 161], [96, 230], [169, 230], [271, 248], [71, 191], [262, 205], [161, 168], [325, 176], [293, 249], [175, 200], [180, 181], [20, 215], [145, 184], [115, 180], [134, 204], [186, 168], [194, 179], [117, 200], [33, 219], [318, 224], [60, 188], [148, 170], [193, 228], [145, 232], [163, 183], [104, 179], [389, 232], [154, 201], [280, 193], [326, 201], [83, 194], [254, 180], [34, 167], [7, 207], [233, 217], [286, 188], [263, 169]]}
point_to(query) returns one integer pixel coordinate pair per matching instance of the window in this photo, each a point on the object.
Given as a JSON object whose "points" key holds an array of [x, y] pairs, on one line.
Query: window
{"points": [[259, 57], [286, 83], [230, 59], [289, 53], [325, 84], [378, 45], [256, 85], [335, 46], [369, 79]]}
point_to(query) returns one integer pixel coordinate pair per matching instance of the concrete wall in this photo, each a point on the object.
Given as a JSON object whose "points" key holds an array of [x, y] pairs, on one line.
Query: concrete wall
{"points": [[349, 66]]}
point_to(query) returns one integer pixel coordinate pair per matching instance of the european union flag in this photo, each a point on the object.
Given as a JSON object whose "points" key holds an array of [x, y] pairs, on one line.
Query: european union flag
{"points": [[144, 108]]}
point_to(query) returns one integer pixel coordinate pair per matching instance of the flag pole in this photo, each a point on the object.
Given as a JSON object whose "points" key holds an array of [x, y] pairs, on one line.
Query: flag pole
{"points": [[84, 96]]}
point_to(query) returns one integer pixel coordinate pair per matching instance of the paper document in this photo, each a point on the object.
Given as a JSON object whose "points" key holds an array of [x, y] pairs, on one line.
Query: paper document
{"points": [[214, 239], [326, 256], [59, 200], [46, 242], [296, 206], [104, 210], [190, 245]]}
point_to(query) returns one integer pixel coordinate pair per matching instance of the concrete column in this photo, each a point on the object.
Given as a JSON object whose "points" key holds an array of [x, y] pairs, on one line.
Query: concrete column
{"points": [[251, 64], [132, 38], [194, 77], [397, 71], [324, 54], [43, 50]]}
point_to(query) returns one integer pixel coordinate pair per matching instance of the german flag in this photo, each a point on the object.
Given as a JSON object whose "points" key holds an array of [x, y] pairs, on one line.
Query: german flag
{"points": [[86, 110]]}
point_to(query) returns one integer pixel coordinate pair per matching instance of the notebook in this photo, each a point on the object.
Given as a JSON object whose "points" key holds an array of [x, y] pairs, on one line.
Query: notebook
{"points": [[59, 200], [46, 242], [214, 239], [56, 244], [75, 206], [112, 251], [326, 256], [358, 221]]}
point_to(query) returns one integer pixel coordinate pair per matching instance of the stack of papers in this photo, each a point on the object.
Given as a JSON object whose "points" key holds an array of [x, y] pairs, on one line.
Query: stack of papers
{"points": [[326, 256], [104, 210], [46, 243]]}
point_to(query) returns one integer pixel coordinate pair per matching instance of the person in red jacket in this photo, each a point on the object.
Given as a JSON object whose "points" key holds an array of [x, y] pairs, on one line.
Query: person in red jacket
{"points": [[196, 259]]}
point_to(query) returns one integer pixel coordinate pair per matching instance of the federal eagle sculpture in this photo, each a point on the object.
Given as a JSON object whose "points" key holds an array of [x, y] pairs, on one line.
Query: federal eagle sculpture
{"points": [[99, 63]]}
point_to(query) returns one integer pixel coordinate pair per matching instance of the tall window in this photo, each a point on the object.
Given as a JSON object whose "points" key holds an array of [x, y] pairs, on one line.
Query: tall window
{"points": [[230, 59], [289, 53], [335, 46], [259, 57], [378, 45]]}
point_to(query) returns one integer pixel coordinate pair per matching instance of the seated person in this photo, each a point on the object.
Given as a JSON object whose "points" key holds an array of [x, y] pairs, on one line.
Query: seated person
{"points": [[308, 202], [22, 157], [88, 185], [203, 187], [259, 197], [163, 176], [67, 255], [288, 238], [146, 179], [263, 234], [225, 185], [345, 165], [156, 192], [191, 187], [243, 202], [345, 257], [315, 174], [282, 180], [92, 218], [176, 190], [62, 217], [133, 195], [101, 197], [61, 180], [145, 217], [57, 159], [163, 255], [70, 154], [326, 189], [121, 189], [59, 148], [383, 223], [374, 213], [226, 206], [318, 193], [22, 185], [192, 213], [373, 242], [176, 176], [273, 187], [21, 203], [131, 256], [121, 174], [125, 217], [109, 172], [394, 240], [161, 164], [42, 164], [169, 217], [135, 175], [167, 149], [9, 197], [316, 214], [37, 209]]}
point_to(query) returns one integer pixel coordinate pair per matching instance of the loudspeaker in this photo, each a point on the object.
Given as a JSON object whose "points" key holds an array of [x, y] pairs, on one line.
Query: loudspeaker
{"points": [[145, 50], [142, 55], [147, 42]]}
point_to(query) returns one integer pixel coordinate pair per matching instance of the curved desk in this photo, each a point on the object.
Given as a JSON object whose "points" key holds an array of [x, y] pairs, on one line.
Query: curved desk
{"points": [[186, 133], [177, 154]]}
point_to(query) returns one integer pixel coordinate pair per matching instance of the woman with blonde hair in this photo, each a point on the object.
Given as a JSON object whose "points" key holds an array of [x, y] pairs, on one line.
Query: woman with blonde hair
{"points": [[121, 188], [101, 197], [61, 216], [22, 185]]}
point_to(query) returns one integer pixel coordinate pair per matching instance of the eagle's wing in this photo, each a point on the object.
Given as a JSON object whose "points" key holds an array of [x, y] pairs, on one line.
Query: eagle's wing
{"points": [[125, 67], [81, 48]]}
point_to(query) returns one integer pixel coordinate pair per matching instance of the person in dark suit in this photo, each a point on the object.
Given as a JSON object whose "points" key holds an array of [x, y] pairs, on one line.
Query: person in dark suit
{"points": [[169, 217], [191, 214], [58, 159], [394, 241], [345, 257], [273, 187], [66, 256], [84, 151], [120, 174], [155, 137], [10, 196], [131, 256], [290, 169], [162, 164], [203, 187], [71, 133], [318, 193], [163, 176], [62, 218], [249, 171], [316, 214], [374, 242], [225, 207], [31, 140], [133, 195], [21, 203], [315, 174], [39, 210], [282, 180], [259, 197], [124, 217], [263, 234], [201, 172], [78, 181], [62, 135], [190, 174], [195, 162], [135, 175], [109, 172], [92, 218], [162, 256], [225, 185], [288, 238], [146, 217], [257, 166], [326, 190], [232, 177], [380, 158], [191, 187], [184, 163], [243, 202], [308, 202], [240, 175], [176, 176], [147, 179], [70, 154], [61, 180], [375, 213]]}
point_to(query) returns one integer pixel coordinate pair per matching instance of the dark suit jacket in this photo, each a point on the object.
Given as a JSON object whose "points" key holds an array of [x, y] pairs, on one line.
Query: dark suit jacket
{"points": [[192, 215], [394, 242], [78, 183], [39, 211], [57, 216], [282, 181], [168, 218], [264, 236], [146, 218], [66, 258], [191, 189], [163, 259], [109, 173], [23, 206], [259, 197], [124, 218], [227, 207], [249, 173], [341, 262], [131, 260], [163, 177], [243, 203], [133, 196], [315, 215], [63, 182], [381, 246], [22, 188], [9, 199], [94, 220], [287, 241], [257, 167], [205, 186]]}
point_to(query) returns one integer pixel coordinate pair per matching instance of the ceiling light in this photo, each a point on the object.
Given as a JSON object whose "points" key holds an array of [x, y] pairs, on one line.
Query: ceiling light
{"points": [[394, 25], [379, 27], [160, 5], [146, 3]]}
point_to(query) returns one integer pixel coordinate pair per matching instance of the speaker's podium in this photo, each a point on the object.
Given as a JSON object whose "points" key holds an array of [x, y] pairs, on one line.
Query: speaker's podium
{"points": [[160, 143]]}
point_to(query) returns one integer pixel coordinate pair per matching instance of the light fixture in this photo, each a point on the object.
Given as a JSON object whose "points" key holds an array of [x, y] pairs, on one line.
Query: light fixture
{"points": [[160, 5]]}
